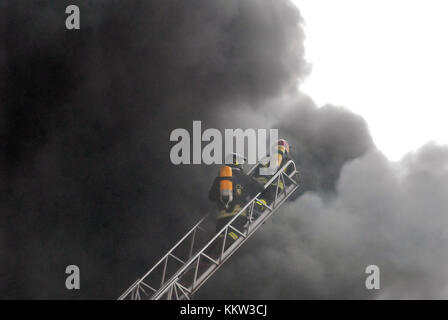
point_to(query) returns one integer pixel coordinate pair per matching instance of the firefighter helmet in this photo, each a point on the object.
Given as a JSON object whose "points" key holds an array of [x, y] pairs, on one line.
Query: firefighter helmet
{"points": [[281, 145], [235, 160]]}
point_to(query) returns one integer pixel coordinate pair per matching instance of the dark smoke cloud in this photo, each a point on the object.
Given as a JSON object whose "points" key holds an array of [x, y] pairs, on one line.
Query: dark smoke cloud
{"points": [[323, 140], [85, 121], [85, 175], [393, 215]]}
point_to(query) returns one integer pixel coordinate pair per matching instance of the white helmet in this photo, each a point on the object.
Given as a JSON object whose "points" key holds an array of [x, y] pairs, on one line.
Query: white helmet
{"points": [[236, 160]]}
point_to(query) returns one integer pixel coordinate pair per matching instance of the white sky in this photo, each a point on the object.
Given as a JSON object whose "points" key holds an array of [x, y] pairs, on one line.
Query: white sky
{"points": [[386, 60]]}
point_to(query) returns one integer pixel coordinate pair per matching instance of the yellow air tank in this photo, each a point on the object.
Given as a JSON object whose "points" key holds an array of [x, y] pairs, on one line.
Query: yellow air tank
{"points": [[279, 157], [226, 185]]}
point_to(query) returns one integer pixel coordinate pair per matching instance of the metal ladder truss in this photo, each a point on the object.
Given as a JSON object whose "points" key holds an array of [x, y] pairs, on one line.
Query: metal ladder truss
{"points": [[192, 261]]}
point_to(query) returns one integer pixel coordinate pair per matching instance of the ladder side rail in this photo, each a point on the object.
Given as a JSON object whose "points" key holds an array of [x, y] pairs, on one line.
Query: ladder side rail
{"points": [[162, 260], [174, 277], [136, 284], [251, 229], [231, 250], [251, 170], [200, 252]]}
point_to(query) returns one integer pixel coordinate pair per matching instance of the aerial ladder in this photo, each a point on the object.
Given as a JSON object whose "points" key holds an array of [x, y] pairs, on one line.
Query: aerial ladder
{"points": [[193, 260]]}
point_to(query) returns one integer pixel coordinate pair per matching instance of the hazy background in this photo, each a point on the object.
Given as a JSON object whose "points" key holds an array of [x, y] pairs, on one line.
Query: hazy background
{"points": [[85, 175]]}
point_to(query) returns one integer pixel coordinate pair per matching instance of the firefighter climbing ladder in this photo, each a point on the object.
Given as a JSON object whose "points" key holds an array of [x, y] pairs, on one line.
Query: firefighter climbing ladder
{"points": [[190, 263]]}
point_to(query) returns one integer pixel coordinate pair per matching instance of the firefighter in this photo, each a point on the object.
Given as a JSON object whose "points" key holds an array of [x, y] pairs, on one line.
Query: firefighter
{"points": [[280, 156], [231, 190]]}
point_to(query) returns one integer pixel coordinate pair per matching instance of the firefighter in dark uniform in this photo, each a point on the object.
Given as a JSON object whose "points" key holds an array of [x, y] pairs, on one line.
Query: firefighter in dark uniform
{"points": [[280, 156], [231, 190]]}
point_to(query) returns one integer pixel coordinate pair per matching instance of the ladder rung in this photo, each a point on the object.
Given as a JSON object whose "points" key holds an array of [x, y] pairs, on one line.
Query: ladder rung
{"points": [[169, 288]]}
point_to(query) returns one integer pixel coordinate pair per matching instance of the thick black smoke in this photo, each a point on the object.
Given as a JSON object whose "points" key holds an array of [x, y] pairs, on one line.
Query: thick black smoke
{"points": [[392, 215], [85, 173], [86, 177]]}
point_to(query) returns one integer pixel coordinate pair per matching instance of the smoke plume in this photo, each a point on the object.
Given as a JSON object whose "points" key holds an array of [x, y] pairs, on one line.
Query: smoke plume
{"points": [[86, 178], [392, 215]]}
